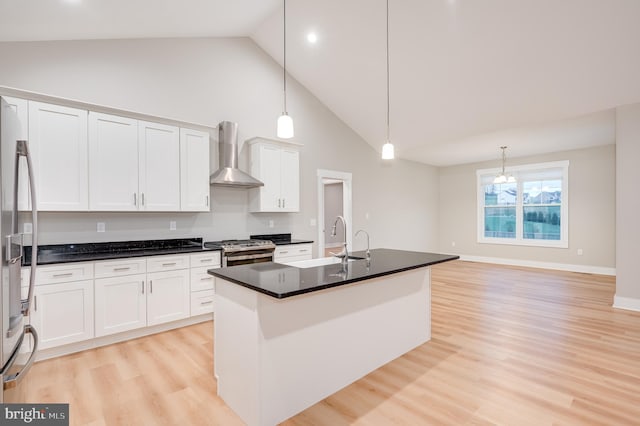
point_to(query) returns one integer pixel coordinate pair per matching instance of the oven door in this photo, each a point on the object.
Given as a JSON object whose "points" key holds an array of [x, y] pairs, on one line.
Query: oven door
{"points": [[245, 257]]}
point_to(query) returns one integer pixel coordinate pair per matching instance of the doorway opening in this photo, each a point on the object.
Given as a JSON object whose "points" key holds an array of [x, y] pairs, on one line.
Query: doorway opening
{"points": [[334, 199]]}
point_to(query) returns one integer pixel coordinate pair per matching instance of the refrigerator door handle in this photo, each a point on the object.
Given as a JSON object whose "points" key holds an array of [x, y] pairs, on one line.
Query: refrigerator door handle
{"points": [[23, 149], [13, 380]]}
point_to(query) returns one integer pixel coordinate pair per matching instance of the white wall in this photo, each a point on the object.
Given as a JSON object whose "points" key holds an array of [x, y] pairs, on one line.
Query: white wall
{"points": [[592, 213], [627, 207], [205, 81]]}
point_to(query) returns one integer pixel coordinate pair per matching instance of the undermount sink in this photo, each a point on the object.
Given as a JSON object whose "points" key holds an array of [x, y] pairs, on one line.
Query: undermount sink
{"points": [[321, 261]]}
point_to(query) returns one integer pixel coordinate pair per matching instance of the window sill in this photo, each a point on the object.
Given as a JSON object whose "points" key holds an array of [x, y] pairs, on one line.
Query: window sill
{"points": [[527, 243]]}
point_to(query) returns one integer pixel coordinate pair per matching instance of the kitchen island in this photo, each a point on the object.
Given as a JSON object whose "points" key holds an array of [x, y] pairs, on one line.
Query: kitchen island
{"points": [[288, 336]]}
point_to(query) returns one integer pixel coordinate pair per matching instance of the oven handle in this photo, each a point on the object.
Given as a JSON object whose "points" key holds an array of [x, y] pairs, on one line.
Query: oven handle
{"points": [[248, 256]]}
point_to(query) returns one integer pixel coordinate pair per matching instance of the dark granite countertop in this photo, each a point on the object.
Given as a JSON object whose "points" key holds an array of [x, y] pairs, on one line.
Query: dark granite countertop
{"points": [[281, 281], [86, 252], [279, 239]]}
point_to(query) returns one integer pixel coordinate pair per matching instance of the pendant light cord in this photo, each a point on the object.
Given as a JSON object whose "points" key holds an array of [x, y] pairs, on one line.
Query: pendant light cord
{"points": [[284, 62], [388, 139]]}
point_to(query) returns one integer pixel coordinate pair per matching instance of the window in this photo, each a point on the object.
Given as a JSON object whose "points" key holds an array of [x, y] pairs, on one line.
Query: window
{"points": [[531, 211]]}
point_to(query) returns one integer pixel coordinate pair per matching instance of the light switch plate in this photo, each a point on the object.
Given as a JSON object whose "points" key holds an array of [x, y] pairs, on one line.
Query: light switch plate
{"points": [[172, 225], [27, 228], [100, 227]]}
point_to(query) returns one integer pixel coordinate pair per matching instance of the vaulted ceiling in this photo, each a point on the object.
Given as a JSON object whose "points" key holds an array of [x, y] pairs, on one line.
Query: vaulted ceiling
{"points": [[466, 76]]}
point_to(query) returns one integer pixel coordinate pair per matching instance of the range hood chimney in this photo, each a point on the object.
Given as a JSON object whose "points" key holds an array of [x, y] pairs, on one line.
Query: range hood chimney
{"points": [[229, 174]]}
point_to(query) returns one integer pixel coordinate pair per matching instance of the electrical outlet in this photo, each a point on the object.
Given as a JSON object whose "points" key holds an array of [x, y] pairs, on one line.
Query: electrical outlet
{"points": [[453, 243], [271, 224], [100, 227], [580, 252], [366, 216], [172, 225], [312, 222], [27, 228]]}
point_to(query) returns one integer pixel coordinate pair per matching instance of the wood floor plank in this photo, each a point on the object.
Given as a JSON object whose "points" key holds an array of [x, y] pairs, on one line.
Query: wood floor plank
{"points": [[510, 345]]}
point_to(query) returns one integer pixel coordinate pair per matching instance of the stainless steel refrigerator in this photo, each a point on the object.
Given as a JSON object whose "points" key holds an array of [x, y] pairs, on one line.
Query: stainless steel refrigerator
{"points": [[17, 350]]}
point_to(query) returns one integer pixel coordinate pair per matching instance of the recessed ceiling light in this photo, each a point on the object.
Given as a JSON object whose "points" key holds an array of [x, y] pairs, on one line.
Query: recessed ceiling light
{"points": [[312, 37]]}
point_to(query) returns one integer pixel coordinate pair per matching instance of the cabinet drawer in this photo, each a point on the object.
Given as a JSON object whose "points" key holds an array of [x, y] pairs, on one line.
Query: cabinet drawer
{"points": [[296, 250], [167, 263], [64, 273], [210, 259], [201, 280], [114, 268], [202, 302]]}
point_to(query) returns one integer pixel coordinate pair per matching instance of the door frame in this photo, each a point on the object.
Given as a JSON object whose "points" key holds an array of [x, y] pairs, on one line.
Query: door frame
{"points": [[347, 189]]}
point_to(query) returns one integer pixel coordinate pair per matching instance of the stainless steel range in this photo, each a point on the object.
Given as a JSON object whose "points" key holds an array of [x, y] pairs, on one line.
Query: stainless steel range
{"points": [[242, 252]]}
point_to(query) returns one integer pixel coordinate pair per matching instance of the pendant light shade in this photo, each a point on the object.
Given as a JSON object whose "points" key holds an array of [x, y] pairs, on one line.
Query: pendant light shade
{"points": [[387, 149], [503, 177], [285, 126], [285, 122]]}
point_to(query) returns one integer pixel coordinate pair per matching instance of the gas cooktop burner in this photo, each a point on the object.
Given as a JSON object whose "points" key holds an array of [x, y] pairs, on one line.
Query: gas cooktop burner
{"points": [[228, 245]]}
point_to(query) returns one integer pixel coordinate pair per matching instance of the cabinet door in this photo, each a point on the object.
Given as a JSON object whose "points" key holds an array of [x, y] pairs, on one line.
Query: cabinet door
{"points": [[290, 180], [120, 304], [194, 171], [168, 296], [269, 174], [113, 163], [63, 313], [58, 142], [159, 167], [21, 107]]}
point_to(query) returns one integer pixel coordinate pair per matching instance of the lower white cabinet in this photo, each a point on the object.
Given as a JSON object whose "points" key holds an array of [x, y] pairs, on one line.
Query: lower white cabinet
{"points": [[168, 296], [292, 253], [121, 304], [202, 289], [63, 313]]}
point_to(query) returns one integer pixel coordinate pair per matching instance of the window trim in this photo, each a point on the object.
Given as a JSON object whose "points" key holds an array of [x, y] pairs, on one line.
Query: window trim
{"points": [[563, 242]]}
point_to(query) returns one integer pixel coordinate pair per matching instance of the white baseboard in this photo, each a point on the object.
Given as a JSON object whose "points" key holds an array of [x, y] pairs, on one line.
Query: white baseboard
{"points": [[628, 303], [600, 270]]}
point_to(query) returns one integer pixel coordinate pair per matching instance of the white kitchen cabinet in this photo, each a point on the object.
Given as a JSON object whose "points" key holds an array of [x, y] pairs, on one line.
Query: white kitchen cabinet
{"points": [[113, 163], [58, 143], [202, 284], [168, 296], [21, 107], [121, 304], [292, 253], [159, 166], [63, 313], [277, 165], [194, 170]]}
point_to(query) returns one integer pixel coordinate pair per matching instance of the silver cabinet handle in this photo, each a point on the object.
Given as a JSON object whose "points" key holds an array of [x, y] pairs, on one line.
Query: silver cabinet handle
{"points": [[278, 202], [35, 303], [125, 268], [206, 260], [303, 250], [142, 286], [135, 199], [207, 200], [68, 274], [205, 278], [151, 286], [283, 202], [283, 252], [206, 303], [169, 264], [142, 198]]}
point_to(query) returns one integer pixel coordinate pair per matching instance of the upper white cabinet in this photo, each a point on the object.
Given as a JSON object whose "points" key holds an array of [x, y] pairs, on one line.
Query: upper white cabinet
{"points": [[194, 170], [159, 166], [277, 165], [58, 142], [113, 163]]}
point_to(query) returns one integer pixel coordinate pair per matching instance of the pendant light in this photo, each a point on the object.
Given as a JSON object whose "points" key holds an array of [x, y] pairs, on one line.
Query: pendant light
{"points": [[285, 123], [387, 148], [502, 177]]}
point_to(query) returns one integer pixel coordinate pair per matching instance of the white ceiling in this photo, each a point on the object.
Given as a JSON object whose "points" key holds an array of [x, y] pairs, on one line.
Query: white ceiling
{"points": [[467, 76]]}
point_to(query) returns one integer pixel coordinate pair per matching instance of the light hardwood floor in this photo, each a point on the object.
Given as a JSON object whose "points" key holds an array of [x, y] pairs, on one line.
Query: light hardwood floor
{"points": [[511, 346]]}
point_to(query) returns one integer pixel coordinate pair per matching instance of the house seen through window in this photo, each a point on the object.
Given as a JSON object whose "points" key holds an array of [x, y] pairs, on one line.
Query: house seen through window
{"points": [[531, 211]]}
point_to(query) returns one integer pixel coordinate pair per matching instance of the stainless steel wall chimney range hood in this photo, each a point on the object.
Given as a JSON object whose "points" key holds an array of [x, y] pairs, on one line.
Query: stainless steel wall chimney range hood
{"points": [[229, 174]]}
